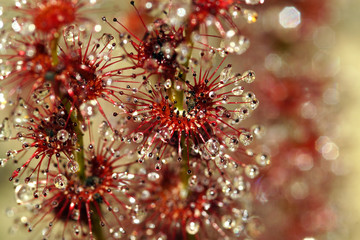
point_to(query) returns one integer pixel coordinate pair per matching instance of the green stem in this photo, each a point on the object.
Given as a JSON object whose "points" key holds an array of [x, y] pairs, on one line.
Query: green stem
{"points": [[191, 237], [184, 176], [54, 49], [178, 98], [79, 155], [96, 227]]}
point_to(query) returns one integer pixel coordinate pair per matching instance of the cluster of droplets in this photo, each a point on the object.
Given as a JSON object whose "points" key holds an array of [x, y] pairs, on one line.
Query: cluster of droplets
{"points": [[204, 14], [75, 198], [162, 51], [47, 130], [207, 140], [208, 201], [84, 75], [205, 126]]}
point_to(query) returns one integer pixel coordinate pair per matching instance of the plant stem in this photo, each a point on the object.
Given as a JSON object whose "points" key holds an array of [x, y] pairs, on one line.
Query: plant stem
{"points": [[54, 49], [96, 227], [79, 154], [178, 98]]}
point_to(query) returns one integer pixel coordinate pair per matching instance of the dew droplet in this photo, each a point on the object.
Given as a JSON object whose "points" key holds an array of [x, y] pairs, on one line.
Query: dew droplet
{"points": [[235, 11], [237, 90], [165, 135], [153, 176], [88, 109], [251, 171], [75, 214], [236, 43], [193, 181], [220, 111], [21, 136], [211, 193], [27, 180], [60, 182], [212, 146], [249, 15], [249, 76], [253, 2], [5, 130], [178, 85], [141, 160], [24, 192], [11, 153], [76, 229], [232, 142], [227, 221], [73, 166], [151, 65], [242, 113], [137, 214], [262, 160], [246, 138], [109, 41], [183, 52], [225, 74], [10, 212], [192, 226], [3, 162], [258, 130], [158, 166], [45, 192], [62, 135], [253, 104], [71, 35], [167, 84], [212, 95], [105, 131], [117, 234], [3, 100], [168, 50], [36, 194], [138, 137]]}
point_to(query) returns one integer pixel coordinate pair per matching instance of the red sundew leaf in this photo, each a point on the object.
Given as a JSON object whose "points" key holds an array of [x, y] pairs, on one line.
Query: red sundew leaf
{"points": [[48, 133], [30, 61], [51, 16], [175, 211], [206, 124], [156, 53], [73, 206]]}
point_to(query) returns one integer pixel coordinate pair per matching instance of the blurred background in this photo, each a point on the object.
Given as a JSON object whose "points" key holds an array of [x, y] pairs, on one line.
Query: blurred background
{"points": [[345, 196]]}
